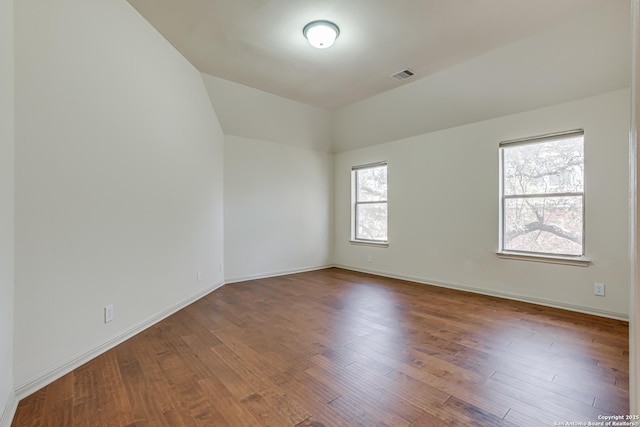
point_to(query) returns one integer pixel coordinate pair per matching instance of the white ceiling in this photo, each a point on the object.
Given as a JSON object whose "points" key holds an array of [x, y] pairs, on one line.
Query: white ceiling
{"points": [[259, 43]]}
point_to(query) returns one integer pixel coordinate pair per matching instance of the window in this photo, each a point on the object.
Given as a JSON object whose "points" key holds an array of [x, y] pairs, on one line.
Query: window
{"points": [[369, 203], [542, 195]]}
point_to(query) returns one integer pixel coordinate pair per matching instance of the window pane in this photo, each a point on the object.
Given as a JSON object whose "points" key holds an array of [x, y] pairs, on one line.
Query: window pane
{"points": [[371, 221], [372, 184], [555, 166], [546, 224]]}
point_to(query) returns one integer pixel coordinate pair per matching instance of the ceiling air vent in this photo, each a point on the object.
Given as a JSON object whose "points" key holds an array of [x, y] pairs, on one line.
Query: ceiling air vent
{"points": [[404, 74]]}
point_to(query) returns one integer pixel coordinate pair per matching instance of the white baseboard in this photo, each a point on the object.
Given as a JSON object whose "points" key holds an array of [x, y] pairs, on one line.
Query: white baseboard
{"points": [[499, 294], [50, 376], [276, 274], [9, 411], [42, 380]]}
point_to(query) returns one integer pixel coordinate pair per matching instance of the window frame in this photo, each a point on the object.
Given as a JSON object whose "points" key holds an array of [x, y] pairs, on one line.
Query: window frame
{"points": [[570, 259], [354, 204]]}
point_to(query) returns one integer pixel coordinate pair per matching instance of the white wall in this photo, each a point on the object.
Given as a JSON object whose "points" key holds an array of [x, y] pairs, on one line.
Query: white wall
{"points": [[443, 208], [6, 209], [118, 181], [278, 181], [277, 208], [252, 113]]}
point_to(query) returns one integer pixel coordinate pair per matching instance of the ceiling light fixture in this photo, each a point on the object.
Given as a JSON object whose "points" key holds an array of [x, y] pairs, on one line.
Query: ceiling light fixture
{"points": [[321, 34]]}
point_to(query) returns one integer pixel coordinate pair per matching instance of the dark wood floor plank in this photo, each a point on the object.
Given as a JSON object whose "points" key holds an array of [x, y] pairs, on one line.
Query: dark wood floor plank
{"points": [[532, 418], [530, 396], [315, 397], [479, 416], [231, 410], [284, 405], [582, 395], [373, 389], [116, 402], [264, 413], [338, 348], [472, 392], [363, 413]]}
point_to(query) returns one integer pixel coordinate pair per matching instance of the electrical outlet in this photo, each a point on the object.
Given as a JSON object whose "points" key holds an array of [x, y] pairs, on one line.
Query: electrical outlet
{"points": [[598, 289], [220, 268], [199, 276], [108, 313], [369, 258]]}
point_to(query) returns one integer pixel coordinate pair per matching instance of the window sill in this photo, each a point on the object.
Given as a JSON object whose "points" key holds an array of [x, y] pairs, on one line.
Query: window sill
{"points": [[369, 243], [580, 261]]}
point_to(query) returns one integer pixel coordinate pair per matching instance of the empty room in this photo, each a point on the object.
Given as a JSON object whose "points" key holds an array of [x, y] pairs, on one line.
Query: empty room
{"points": [[318, 213]]}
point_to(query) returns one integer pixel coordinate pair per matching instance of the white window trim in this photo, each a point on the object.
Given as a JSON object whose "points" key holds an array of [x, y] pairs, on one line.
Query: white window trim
{"points": [[576, 260], [579, 261], [354, 225], [378, 243]]}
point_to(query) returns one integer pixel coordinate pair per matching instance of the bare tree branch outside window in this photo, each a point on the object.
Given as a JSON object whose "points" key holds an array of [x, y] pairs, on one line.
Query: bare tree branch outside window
{"points": [[543, 195]]}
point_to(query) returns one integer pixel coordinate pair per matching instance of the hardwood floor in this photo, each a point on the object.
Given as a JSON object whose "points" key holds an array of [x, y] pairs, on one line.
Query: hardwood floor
{"points": [[338, 348]]}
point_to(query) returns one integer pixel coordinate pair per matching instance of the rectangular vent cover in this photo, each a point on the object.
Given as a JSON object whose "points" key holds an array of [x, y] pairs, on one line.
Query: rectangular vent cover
{"points": [[404, 74]]}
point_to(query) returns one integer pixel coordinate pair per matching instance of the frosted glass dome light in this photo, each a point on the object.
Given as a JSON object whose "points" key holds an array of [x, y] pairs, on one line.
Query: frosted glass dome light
{"points": [[321, 34]]}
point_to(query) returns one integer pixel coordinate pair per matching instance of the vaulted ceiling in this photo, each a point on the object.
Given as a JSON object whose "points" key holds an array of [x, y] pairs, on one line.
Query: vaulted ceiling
{"points": [[259, 43]]}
